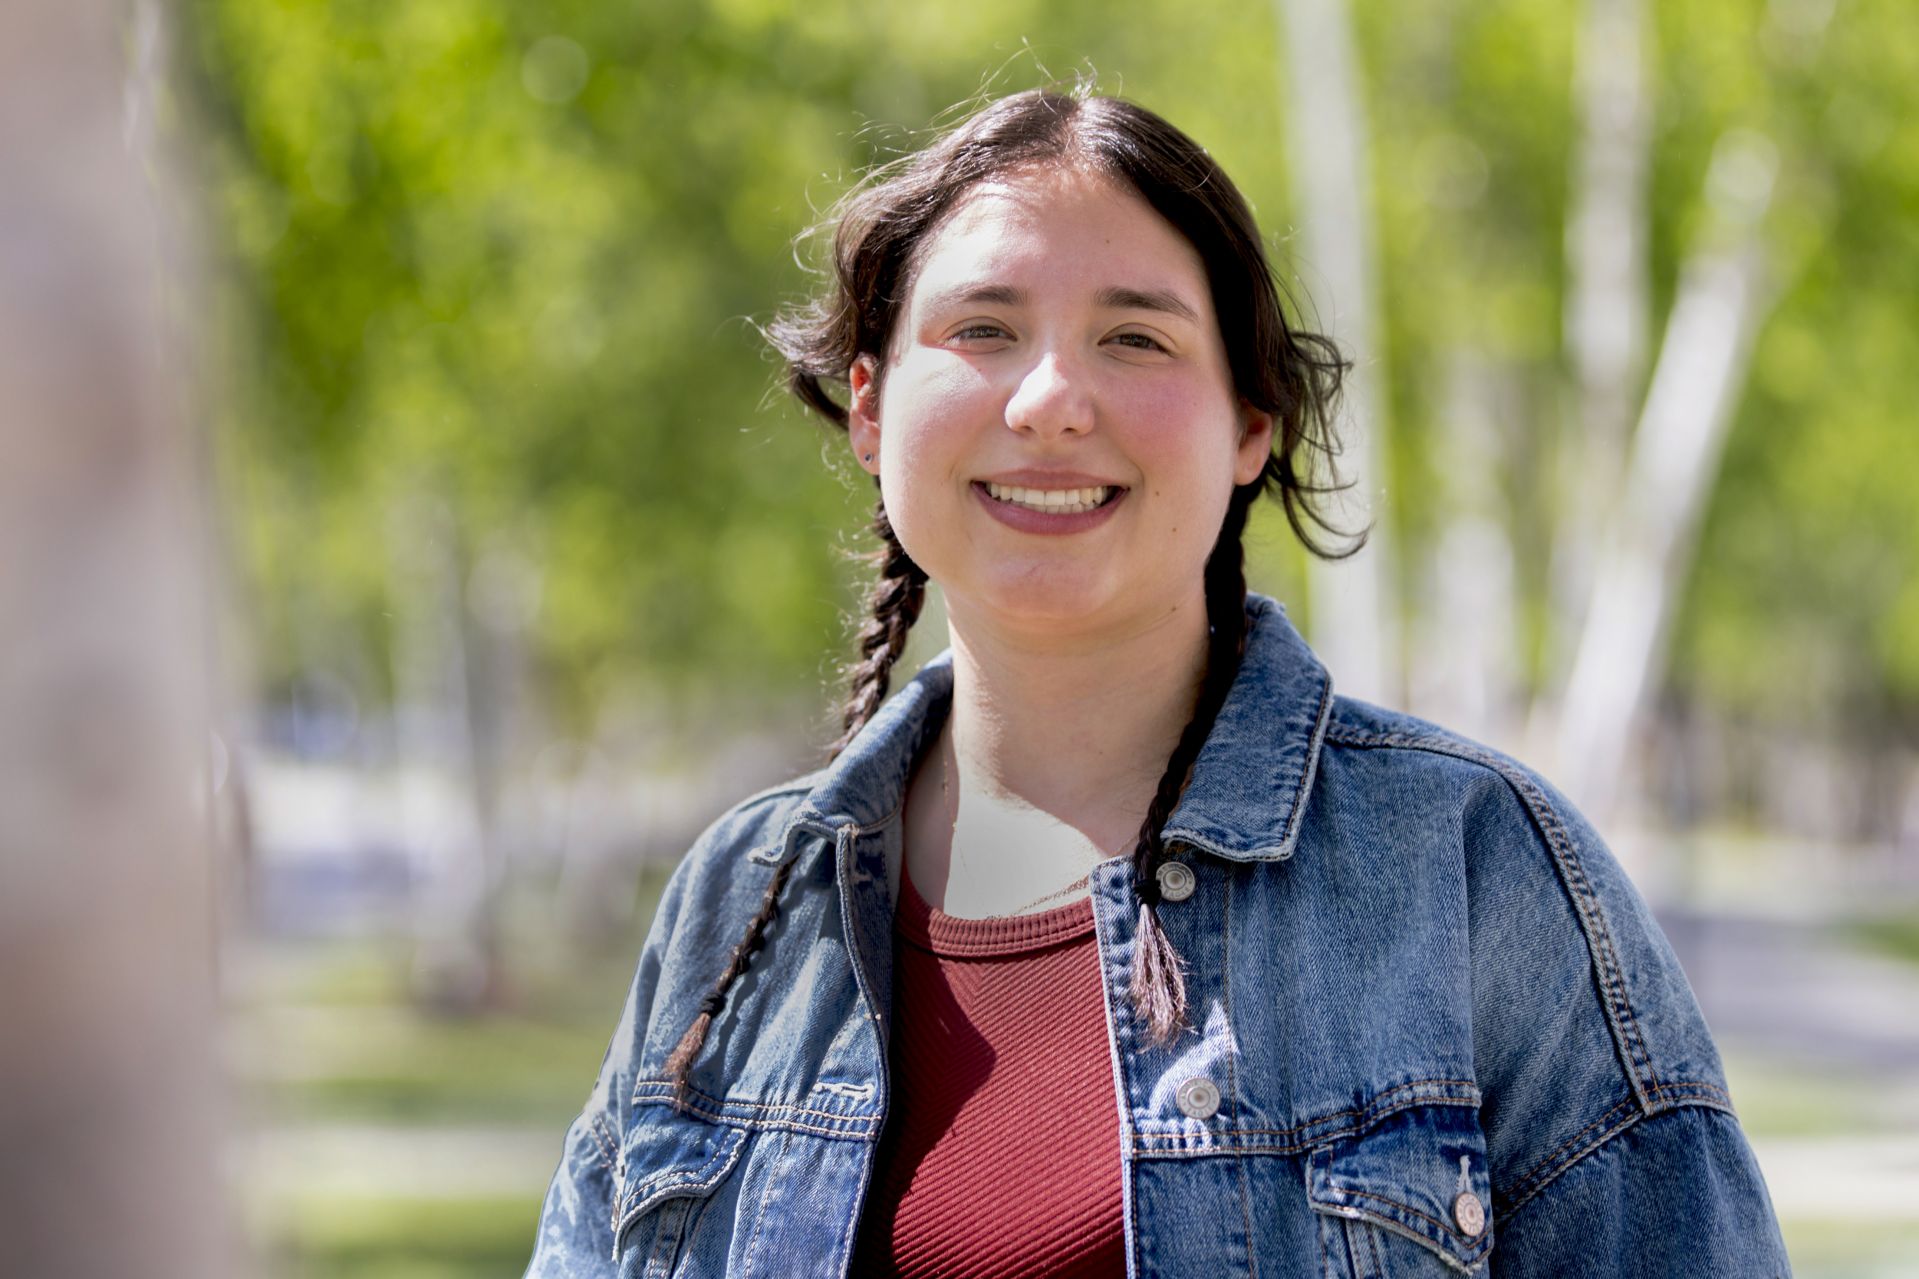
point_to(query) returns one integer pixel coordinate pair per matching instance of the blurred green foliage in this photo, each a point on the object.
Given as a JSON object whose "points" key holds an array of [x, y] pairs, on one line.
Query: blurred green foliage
{"points": [[512, 255]]}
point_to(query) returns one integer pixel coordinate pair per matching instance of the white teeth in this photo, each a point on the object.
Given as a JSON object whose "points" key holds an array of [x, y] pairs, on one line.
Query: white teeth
{"points": [[1064, 501]]}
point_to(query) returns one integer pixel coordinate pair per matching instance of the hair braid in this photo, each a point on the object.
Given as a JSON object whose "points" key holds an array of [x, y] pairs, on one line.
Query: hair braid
{"points": [[1158, 984], [893, 605], [681, 1058]]}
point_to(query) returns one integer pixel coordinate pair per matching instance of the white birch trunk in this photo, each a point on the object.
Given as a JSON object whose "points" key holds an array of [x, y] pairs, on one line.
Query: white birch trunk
{"points": [[1460, 671], [1353, 622], [109, 1145], [1696, 386], [1606, 300]]}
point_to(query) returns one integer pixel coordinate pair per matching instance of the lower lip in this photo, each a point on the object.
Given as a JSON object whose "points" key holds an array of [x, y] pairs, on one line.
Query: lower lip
{"points": [[1027, 520]]}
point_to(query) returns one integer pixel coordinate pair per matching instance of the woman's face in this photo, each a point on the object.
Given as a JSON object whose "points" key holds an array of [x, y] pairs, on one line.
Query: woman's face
{"points": [[1056, 430]]}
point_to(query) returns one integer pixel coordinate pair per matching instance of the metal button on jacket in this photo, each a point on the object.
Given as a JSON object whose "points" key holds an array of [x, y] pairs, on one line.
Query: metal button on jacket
{"points": [[1469, 1213], [1199, 1097], [1176, 881]]}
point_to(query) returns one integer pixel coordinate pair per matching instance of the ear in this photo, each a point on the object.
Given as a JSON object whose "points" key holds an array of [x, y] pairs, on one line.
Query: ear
{"points": [[863, 413], [1255, 443]]}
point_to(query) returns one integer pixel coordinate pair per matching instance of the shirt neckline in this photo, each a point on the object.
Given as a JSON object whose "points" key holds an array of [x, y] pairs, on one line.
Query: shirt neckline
{"points": [[951, 936]]}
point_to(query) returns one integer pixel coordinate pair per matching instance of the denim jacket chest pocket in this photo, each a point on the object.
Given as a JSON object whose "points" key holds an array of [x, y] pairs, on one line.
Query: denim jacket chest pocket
{"points": [[1409, 1196], [670, 1165]]}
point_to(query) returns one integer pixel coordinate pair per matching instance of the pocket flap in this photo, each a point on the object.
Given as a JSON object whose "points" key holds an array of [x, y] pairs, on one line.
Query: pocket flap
{"points": [[667, 1154], [1421, 1173]]}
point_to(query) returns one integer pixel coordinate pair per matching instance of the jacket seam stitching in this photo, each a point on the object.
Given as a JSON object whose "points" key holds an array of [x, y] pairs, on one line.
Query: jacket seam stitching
{"points": [[849, 1239], [1232, 1068], [604, 1145], [759, 1217], [1372, 1114], [651, 1188], [854, 1126], [763, 1107], [1372, 1246], [1322, 729], [1549, 1169], [1617, 1001], [1445, 1232]]}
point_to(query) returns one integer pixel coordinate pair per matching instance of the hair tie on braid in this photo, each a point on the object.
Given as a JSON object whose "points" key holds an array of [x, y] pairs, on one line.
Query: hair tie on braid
{"points": [[1158, 984]]}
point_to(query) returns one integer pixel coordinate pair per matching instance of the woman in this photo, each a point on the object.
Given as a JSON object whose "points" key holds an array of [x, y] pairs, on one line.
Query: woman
{"points": [[1115, 943]]}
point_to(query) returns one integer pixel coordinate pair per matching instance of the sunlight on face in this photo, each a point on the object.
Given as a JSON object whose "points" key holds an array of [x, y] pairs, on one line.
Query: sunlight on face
{"points": [[1059, 434]]}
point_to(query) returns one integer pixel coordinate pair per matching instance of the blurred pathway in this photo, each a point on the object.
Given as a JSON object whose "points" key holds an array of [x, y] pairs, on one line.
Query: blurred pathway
{"points": [[1792, 990], [355, 1161]]}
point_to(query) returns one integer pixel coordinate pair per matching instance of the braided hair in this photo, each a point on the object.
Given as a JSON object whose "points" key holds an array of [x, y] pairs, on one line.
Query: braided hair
{"points": [[877, 232]]}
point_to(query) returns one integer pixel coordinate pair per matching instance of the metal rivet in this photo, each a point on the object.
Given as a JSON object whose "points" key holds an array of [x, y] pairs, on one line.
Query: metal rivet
{"points": [[1176, 881], [1469, 1213], [1199, 1098]]}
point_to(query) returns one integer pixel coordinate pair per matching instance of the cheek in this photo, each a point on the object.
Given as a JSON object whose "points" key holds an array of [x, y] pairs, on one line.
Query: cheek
{"points": [[927, 428], [927, 414], [1184, 433]]}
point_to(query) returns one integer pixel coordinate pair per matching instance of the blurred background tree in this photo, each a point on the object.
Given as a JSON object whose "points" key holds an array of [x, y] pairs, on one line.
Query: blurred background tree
{"points": [[506, 262]]}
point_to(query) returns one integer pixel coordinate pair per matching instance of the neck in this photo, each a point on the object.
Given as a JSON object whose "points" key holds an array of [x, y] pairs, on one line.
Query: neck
{"points": [[1079, 729]]}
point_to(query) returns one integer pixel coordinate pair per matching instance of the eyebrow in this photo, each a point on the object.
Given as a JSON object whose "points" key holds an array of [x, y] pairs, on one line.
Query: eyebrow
{"points": [[1148, 300], [1117, 297]]}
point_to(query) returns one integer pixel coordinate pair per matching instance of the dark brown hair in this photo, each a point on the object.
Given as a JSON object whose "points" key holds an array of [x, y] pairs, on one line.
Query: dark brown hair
{"points": [[1295, 376]]}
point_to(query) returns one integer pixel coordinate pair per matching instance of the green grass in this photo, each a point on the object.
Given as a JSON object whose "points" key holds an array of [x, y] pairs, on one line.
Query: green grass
{"points": [[1775, 1100], [328, 1029], [401, 1239], [1894, 935], [1852, 1249], [326, 1032], [392, 1069]]}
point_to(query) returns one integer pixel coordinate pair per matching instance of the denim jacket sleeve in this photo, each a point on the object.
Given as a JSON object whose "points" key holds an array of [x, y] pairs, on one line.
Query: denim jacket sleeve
{"points": [[577, 1221], [1613, 1142]]}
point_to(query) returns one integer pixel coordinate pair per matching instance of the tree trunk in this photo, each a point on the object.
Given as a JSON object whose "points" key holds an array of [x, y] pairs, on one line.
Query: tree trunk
{"points": [[1606, 300], [1353, 622], [1643, 561], [109, 1146], [446, 753], [1460, 670]]}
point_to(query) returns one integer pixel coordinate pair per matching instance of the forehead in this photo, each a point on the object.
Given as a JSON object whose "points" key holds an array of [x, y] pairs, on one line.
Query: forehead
{"points": [[1064, 230]]}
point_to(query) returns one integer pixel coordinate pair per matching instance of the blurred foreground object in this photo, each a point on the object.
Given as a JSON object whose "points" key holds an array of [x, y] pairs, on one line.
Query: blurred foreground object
{"points": [[108, 1146]]}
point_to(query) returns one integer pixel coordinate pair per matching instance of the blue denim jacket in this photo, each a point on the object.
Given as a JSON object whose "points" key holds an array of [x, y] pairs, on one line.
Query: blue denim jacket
{"points": [[1443, 1033]]}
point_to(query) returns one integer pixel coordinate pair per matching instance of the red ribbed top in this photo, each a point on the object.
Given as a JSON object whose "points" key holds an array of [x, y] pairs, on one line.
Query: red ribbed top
{"points": [[1001, 1150]]}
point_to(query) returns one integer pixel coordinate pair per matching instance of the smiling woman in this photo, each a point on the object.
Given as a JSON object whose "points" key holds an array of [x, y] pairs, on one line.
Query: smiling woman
{"points": [[1115, 943], [1058, 337]]}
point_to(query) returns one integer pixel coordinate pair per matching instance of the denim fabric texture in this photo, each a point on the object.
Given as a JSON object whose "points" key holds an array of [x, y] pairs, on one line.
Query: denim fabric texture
{"points": [[1446, 1035]]}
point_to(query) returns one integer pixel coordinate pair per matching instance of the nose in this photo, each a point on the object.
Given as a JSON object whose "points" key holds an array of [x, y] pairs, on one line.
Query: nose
{"points": [[1053, 398]]}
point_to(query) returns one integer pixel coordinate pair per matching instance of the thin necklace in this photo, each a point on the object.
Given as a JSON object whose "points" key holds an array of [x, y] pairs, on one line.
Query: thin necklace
{"points": [[952, 810]]}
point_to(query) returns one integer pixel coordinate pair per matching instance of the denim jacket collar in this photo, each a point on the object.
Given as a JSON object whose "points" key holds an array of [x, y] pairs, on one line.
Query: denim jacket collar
{"points": [[1248, 789]]}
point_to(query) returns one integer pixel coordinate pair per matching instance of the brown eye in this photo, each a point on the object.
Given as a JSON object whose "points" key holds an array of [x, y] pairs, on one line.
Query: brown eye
{"points": [[1139, 341]]}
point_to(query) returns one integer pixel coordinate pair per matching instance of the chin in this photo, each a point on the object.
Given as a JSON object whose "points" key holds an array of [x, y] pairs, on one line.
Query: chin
{"points": [[1064, 601]]}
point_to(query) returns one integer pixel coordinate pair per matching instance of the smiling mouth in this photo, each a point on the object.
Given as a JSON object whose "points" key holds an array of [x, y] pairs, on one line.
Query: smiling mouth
{"points": [[1053, 501]]}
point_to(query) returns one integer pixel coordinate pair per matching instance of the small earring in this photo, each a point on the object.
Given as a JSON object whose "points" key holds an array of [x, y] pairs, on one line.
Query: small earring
{"points": [[869, 457]]}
